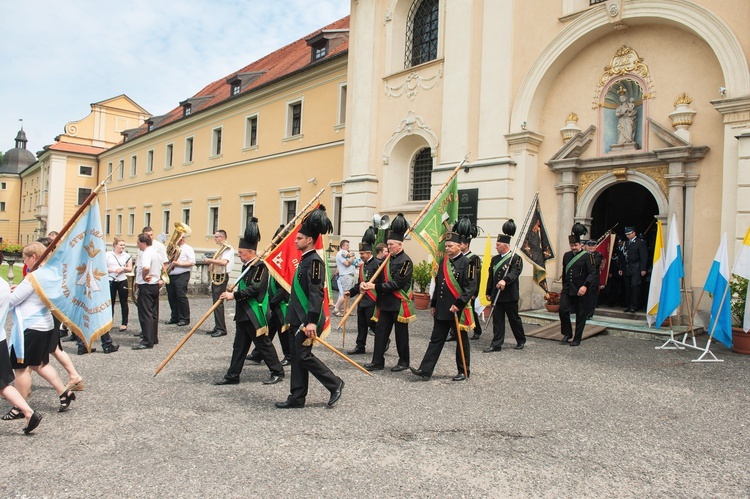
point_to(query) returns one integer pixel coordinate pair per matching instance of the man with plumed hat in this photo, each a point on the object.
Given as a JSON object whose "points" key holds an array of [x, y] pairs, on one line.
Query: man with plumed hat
{"points": [[251, 296], [502, 290], [592, 295], [394, 306], [454, 285], [579, 274], [366, 307], [634, 268], [306, 317], [469, 231]]}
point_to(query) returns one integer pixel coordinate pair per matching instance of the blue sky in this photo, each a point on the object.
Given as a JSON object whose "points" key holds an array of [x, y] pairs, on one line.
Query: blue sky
{"points": [[59, 57]]}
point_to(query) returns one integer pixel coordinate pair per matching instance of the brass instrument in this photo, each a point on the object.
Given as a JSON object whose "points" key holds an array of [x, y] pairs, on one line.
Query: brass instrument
{"points": [[218, 278], [132, 287], [173, 249]]}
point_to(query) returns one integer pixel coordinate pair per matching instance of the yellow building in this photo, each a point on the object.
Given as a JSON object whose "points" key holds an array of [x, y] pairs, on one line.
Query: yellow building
{"points": [[530, 91]]}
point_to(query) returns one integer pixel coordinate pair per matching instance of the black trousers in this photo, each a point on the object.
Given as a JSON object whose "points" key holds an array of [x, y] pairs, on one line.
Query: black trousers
{"points": [[477, 323], [570, 304], [220, 323], [509, 308], [387, 321], [364, 323], [632, 290], [177, 296], [243, 338], [274, 328], [305, 363], [148, 313], [592, 298], [120, 288], [435, 348]]}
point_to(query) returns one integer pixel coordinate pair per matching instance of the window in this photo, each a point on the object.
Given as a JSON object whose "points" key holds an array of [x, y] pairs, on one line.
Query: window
{"points": [[251, 131], [121, 169], [247, 213], [294, 119], [131, 223], [236, 87], [3, 186], [83, 193], [2, 205], [189, 150], [421, 175], [319, 50], [106, 224], [147, 219], [186, 216], [119, 225], [216, 142], [109, 172], [186, 110], [85, 171], [342, 104], [165, 220], [133, 166], [150, 161], [213, 219], [421, 32], [290, 210], [168, 156]]}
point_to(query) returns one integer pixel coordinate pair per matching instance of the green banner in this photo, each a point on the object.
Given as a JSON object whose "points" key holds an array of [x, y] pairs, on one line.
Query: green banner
{"points": [[437, 221]]}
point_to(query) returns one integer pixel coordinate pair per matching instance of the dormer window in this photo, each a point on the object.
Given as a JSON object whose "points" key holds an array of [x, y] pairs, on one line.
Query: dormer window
{"points": [[326, 42], [150, 125], [186, 109], [236, 87], [319, 50]]}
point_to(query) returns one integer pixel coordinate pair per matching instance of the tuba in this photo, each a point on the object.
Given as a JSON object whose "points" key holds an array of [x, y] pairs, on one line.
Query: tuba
{"points": [[218, 278], [173, 249]]}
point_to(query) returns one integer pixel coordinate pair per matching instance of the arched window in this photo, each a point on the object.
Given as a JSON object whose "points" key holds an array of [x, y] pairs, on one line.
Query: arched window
{"points": [[421, 175], [421, 32]]}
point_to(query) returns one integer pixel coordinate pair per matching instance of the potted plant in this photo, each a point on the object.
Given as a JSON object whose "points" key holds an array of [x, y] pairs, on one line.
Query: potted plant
{"points": [[552, 302], [11, 249], [422, 276], [740, 339]]}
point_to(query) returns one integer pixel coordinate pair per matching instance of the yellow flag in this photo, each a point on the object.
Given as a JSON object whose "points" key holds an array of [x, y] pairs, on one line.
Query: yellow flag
{"points": [[485, 273]]}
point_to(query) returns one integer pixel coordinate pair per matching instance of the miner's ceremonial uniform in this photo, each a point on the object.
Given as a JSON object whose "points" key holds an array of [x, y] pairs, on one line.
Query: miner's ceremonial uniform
{"points": [[579, 269], [505, 268]]}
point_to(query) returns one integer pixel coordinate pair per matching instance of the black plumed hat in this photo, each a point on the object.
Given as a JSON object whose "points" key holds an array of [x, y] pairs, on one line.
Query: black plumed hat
{"points": [[577, 232], [399, 226], [465, 229], [250, 239], [509, 230], [281, 227], [368, 239], [316, 223]]}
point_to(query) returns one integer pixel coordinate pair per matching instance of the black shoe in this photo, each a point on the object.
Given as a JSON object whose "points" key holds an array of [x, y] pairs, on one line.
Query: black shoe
{"points": [[398, 368], [34, 421], [170, 321], [423, 376], [273, 379], [227, 381], [290, 405], [459, 377], [184, 323], [451, 338], [286, 361], [519, 346], [83, 351], [373, 367], [565, 339], [629, 311], [356, 351], [336, 394], [575, 343], [212, 331], [217, 334], [65, 400], [476, 336], [111, 348], [140, 346], [492, 349], [253, 361]]}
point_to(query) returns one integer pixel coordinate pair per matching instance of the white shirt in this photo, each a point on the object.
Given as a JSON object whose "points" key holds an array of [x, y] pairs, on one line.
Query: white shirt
{"points": [[115, 261], [152, 260], [228, 255], [160, 248], [26, 303], [4, 304], [341, 257], [186, 255]]}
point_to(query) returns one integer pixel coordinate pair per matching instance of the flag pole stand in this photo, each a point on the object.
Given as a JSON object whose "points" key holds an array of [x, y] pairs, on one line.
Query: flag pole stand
{"points": [[691, 316], [671, 343], [707, 350]]}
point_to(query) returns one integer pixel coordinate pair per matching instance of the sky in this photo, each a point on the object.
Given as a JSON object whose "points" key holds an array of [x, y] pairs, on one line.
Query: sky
{"points": [[57, 58]]}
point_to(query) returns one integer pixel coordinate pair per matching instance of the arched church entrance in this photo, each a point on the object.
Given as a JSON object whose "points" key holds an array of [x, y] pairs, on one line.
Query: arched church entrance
{"points": [[625, 204]]}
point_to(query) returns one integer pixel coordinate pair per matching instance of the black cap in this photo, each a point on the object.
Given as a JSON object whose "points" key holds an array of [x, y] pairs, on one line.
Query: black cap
{"points": [[453, 237], [252, 235], [591, 242], [399, 226]]}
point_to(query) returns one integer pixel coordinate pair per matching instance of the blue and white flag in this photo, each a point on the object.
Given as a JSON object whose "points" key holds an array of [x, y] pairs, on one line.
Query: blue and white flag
{"points": [[717, 283], [670, 296], [73, 282]]}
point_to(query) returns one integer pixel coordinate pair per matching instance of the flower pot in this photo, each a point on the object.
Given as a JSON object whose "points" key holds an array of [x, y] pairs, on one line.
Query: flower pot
{"points": [[421, 301], [740, 341], [552, 308]]}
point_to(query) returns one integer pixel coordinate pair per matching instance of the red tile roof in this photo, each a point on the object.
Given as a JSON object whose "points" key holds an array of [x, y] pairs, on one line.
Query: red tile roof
{"points": [[275, 66], [76, 148]]}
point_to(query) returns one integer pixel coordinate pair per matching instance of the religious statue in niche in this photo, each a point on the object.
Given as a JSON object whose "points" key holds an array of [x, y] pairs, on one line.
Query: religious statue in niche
{"points": [[623, 117]]}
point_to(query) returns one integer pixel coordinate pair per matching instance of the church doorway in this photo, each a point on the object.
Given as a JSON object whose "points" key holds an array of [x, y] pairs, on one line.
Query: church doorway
{"points": [[625, 204]]}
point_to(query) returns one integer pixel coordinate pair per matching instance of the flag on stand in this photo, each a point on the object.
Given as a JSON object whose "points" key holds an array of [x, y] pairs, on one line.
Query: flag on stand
{"points": [[742, 269], [537, 249], [73, 282], [657, 274], [485, 274], [717, 283], [437, 221], [605, 249], [670, 296]]}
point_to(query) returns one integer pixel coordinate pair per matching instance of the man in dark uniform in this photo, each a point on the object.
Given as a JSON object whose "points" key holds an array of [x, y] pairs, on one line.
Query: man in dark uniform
{"points": [[592, 295], [454, 285], [634, 269], [614, 281], [306, 317], [394, 305], [469, 231], [250, 314], [366, 307], [502, 291], [579, 273]]}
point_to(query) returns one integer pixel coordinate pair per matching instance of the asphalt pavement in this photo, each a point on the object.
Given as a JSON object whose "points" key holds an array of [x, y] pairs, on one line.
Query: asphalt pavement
{"points": [[611, 418]]}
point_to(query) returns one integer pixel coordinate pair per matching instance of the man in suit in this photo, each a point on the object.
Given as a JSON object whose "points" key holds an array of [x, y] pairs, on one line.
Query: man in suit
{"points": [[634, 268], [502, 290], [454, 285], [579, 274], [250, 314], [306, 317], [366, 307]]}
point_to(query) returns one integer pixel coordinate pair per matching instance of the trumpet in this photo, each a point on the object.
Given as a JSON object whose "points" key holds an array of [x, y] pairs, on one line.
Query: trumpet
{"points": [[173, 249], [218, 278]]}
